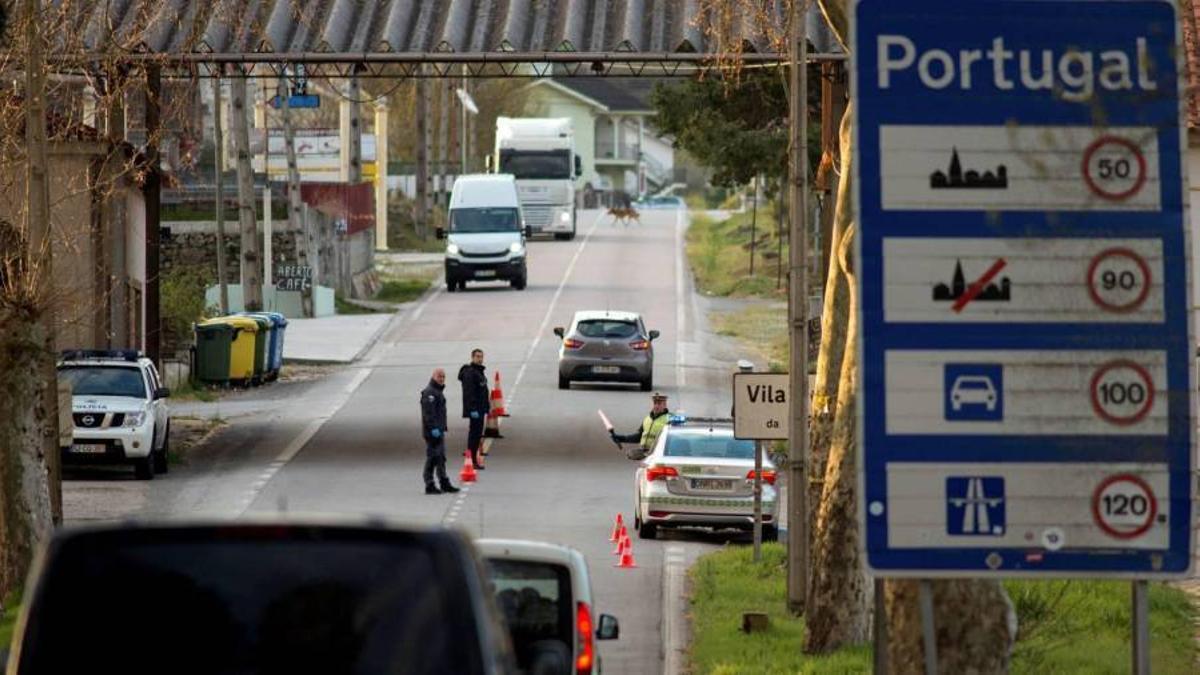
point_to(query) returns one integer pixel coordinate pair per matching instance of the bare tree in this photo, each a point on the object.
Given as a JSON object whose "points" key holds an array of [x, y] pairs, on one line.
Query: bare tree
{"points": [[57, 152]]}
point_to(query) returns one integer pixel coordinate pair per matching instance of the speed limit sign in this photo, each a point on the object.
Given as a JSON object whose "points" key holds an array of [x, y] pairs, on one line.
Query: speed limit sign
{"points": [[1122, 392], [1118, 280], [1124, 506], [1114, 168]]}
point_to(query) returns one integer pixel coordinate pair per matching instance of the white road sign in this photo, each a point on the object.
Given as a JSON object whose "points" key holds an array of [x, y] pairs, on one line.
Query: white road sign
{"points": [[760, 406]]}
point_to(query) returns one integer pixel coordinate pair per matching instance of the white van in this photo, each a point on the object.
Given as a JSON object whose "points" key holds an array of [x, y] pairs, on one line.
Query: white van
{"points": [[486, 237]]}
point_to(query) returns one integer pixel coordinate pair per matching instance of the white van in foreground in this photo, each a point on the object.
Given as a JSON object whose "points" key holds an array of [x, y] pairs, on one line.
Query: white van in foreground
{"points": [[486, 233]]}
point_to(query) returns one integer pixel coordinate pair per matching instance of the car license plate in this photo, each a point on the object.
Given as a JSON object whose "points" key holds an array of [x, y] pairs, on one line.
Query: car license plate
{"points": [[485, 273], [89, 449], [711, 484], [606, 370]]}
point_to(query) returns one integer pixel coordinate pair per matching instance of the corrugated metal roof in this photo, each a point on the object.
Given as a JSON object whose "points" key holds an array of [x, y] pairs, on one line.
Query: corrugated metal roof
{"points": [[177, 27]]}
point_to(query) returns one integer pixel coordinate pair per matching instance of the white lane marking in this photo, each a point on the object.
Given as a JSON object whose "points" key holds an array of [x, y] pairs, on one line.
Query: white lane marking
{"points": [[537, 339], [425, 303], [672, 617], [680, 375], [301, 439]]}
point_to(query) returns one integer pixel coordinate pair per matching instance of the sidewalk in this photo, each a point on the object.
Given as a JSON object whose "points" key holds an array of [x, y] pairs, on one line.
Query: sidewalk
{"points": [[332, 339]]}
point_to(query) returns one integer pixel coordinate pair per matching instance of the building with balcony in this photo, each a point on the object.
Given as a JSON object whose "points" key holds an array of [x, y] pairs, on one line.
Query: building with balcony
{"points": [[619, 148]]}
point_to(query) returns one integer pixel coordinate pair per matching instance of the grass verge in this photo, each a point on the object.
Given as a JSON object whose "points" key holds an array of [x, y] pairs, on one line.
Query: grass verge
{"points": [[1071, 626], [188, 391], [727, 583], [8, 619], [719, 254], [343, 306], [761, 330], [402, 290], [1082, 626]]}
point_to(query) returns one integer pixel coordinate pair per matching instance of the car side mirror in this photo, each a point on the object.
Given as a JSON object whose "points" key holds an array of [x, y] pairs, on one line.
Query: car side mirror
{"points": [[439, 233], [529, 232], [608, 629], [654, 334], [162, 392], [558, 330]]}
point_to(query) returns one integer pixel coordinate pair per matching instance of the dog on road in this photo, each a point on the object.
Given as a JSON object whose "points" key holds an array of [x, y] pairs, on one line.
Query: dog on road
{"points": [[624, 215]]}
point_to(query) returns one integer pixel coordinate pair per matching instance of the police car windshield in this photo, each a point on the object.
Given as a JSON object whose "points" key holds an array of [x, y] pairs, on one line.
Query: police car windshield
{"points": [[104, 381], [708, 445], [484, 220]]}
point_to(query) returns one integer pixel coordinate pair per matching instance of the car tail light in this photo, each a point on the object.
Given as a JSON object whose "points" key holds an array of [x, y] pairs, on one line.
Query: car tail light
{"points": [[587, 651], [659, 472], [640, 345], [768, 476], [572, 343]]}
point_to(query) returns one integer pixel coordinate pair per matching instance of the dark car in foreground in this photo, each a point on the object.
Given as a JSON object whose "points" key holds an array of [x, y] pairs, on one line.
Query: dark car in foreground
{"points": [[265, 598]]}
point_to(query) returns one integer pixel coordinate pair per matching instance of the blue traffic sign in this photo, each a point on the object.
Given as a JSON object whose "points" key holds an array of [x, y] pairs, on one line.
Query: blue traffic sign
{"points": [[975, 506], [297, 101], [1026, 400]]}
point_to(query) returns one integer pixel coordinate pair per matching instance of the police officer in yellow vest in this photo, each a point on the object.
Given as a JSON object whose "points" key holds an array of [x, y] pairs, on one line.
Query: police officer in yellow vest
{"points": [[647, 434]]}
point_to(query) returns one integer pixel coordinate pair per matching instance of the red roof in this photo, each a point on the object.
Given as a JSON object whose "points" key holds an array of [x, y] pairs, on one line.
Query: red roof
{"points": [[1191, 44]]}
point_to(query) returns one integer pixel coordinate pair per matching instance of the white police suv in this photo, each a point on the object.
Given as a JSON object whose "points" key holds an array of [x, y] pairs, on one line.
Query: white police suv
{"points": [[119, 408]]}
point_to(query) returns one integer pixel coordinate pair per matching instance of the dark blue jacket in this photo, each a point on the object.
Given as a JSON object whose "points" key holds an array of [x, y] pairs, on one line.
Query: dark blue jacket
{"points": [[475, 390], [433, 409]]}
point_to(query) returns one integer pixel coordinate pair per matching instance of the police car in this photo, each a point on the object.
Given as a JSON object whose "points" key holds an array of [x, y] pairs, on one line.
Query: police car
{"points": [[119, 409], [699, 475]]}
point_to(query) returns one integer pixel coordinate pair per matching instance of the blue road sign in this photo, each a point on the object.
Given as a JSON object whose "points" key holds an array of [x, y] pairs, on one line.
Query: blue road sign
{"points": [[297, 101], [974, 391], [1026, 405], [975, 506]]}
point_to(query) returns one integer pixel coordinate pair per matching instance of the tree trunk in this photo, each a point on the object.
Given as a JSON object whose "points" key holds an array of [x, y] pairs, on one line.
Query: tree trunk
{"points": [[833, 331], [25, 427], [974, 622], [839, 607]]}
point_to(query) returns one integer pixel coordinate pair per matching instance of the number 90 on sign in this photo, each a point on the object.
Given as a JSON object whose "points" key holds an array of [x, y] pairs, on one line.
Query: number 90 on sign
{"points": [[1118, 280]]}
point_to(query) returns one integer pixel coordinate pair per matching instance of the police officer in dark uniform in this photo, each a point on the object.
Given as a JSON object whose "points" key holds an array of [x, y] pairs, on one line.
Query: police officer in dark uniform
{"points": [[476, 403], [433, 428]]}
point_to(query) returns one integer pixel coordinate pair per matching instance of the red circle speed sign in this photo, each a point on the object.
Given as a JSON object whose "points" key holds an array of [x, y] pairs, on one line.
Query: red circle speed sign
{"points": [[1118, 280], [1124, 506], [1114, 168], [1122, 392]]}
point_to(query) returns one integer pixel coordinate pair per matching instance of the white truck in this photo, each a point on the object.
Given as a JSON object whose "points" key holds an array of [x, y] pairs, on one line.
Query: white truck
{"points": [[540, 153]]}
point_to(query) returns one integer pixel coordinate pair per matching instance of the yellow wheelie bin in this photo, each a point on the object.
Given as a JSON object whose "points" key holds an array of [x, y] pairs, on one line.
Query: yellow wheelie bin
{"points": [[241, 348]]}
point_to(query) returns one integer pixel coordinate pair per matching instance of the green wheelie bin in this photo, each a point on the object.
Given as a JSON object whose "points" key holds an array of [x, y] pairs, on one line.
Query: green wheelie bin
{"points": [[243, 331], [214, 345]]}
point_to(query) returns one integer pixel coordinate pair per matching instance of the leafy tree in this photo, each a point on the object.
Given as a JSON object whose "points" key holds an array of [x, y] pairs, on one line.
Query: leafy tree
{"points": [[739, 129]]}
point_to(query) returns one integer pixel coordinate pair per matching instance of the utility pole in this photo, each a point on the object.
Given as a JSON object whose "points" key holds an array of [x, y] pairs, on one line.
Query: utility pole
{"points": [[798, 512], [251, 272], [444, 117], [297, 224], [153, 196], [40, 252], [421, 205], [219, 138]]}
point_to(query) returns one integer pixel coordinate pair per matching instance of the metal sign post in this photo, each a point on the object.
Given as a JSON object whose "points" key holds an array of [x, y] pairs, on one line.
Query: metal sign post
{"points": [[1027, 399], [761, 412]]}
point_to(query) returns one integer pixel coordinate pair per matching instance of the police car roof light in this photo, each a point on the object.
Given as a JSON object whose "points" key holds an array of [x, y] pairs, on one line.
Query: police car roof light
{"points": [[131, 355]]}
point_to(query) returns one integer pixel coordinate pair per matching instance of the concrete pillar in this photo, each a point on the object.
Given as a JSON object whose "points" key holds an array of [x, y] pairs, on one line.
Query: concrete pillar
{"points": [[350, 132], [381, 175], [268, 236], [616, 135]]}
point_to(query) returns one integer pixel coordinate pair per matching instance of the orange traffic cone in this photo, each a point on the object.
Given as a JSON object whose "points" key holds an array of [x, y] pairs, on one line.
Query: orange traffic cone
{"points": [[627, 556], [622, 539], [616, 533], [498, 399], [467, 475]]}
